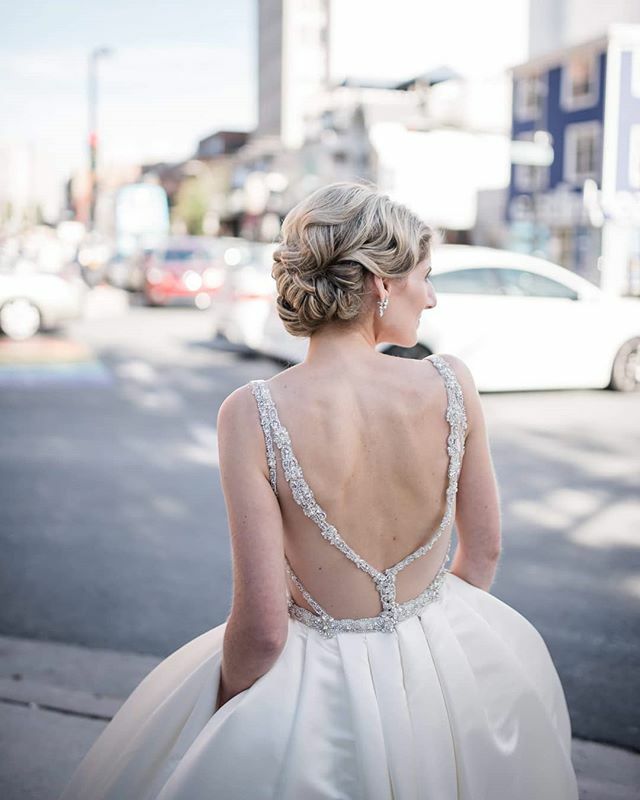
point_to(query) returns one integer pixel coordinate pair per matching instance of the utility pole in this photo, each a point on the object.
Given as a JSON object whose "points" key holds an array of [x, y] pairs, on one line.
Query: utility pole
{"points": [[92, 98]]}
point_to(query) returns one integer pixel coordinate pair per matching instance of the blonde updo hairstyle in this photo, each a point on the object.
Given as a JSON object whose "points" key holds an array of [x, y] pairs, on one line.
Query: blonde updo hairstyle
{"points": [[332, 243]]}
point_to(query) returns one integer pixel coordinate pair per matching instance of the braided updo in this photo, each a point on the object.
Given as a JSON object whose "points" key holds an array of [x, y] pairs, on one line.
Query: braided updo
{"points": [[330, 242]]}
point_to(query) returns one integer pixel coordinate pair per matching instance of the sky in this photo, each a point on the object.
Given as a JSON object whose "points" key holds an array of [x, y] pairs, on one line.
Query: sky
{"points": [[179, 71]]}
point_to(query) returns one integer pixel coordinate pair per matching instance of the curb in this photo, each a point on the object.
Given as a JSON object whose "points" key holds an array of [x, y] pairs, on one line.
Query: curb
{"points": [[53, 698]]}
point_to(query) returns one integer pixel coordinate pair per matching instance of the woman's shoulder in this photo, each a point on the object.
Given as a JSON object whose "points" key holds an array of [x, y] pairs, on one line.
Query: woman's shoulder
{"points": [[413, 372], [470, 397], [238, 406], [458, 366]]}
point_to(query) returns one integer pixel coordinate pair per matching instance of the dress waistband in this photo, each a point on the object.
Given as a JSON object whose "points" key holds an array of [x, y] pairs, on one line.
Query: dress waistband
{"points": [[385, 621]]}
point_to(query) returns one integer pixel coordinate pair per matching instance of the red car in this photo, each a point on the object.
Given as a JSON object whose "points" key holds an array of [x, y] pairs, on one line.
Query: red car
{"points": [[186, 268]]}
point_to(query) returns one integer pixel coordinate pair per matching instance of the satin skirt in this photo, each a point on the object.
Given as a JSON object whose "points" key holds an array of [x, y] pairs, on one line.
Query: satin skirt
{"points": [[460, 702]]}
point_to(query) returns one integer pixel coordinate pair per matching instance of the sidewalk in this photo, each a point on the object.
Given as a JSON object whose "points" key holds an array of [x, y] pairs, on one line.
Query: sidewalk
{"points": [[56, 698]]}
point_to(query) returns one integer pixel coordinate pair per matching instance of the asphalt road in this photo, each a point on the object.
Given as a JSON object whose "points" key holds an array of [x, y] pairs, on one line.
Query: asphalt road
{"points": [[113, 528]]}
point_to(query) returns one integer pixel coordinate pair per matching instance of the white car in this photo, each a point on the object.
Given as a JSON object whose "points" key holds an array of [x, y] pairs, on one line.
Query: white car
{"points": [[518, 322], [32, 301], [241, 306]]}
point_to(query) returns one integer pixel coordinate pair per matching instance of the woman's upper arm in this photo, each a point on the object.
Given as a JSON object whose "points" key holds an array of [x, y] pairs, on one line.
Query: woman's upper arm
{"points": [[259, 604], [478, 520]]}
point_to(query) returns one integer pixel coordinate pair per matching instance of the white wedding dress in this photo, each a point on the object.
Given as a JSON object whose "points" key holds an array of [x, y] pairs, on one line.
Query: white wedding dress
{"points": [[450, 696]]}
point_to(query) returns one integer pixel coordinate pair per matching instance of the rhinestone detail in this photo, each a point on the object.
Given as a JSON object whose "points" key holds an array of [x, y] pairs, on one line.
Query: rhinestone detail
{"points": [[391, 612]]}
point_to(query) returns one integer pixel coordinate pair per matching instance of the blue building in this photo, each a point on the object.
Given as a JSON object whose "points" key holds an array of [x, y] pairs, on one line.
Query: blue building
{"points": [[575, 198]]}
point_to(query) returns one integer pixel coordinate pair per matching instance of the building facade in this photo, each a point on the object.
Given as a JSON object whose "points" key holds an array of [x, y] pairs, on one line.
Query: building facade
{"points": [[293, 64], [576, 200]]}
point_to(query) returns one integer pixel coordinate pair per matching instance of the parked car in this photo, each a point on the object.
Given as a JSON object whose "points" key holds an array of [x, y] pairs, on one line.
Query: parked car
{"points": [[519, 322], [241, 306], [185, 268], [33, 301]]}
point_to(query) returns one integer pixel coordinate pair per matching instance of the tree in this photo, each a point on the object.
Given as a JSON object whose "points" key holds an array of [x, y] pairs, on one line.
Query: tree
{"points": [[192, 203]]}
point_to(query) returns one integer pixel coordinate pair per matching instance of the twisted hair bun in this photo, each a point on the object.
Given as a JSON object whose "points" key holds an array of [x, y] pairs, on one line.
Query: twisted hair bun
{"points": [[330, 242]]}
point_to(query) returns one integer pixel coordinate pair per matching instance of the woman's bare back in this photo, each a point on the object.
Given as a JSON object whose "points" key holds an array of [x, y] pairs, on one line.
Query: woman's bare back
{"points": [[373, 448]]}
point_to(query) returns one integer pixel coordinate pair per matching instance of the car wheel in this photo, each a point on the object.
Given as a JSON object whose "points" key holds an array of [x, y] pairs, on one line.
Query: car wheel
{"points": [[625, 374], [418, 351], [20, 318]]}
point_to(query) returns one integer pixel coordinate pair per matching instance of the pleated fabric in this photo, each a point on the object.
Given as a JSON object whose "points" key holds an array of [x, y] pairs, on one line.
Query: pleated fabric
{"points": [[460, 702]]}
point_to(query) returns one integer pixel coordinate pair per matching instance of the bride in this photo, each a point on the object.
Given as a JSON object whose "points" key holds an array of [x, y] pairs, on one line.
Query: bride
{"points": [[358, 659]]}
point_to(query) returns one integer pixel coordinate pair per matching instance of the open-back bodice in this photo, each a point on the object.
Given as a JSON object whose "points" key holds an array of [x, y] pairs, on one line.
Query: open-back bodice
{"points": [[392, 612]]}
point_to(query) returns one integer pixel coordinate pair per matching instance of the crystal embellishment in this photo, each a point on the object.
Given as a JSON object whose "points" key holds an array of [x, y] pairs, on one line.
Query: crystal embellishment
{"points": [[391, 612]]}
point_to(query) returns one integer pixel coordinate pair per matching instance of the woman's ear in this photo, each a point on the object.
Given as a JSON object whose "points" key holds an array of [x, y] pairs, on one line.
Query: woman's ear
{"points": [[381, 290]]}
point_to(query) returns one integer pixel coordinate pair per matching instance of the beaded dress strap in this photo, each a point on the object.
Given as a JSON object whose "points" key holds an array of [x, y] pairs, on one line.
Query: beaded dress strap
{"points": [[302, 493], [457, 419], [259, 390]]}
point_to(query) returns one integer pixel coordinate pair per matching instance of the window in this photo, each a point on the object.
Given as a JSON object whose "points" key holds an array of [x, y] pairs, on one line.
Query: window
{"points": [[520, 282], [580, 82], [530, 177], [466, 281], [531, 92], [582, 152], [184, 255]]}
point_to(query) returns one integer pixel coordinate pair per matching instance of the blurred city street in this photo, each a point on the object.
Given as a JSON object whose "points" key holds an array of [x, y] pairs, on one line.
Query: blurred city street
{"points": [[114, 531], [149, 156]]}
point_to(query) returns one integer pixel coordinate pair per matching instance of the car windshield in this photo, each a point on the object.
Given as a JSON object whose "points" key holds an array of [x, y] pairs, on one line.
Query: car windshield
{"points": [[479, 280], [183, 255], [521, 282]]}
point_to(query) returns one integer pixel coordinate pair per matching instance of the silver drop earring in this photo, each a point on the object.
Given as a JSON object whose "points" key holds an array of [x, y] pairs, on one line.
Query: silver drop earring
{"points": [[382, 305]]}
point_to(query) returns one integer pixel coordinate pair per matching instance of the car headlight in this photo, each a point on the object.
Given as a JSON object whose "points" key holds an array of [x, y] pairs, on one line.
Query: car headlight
{"points": [[192, 280]]}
